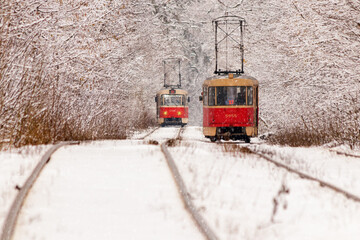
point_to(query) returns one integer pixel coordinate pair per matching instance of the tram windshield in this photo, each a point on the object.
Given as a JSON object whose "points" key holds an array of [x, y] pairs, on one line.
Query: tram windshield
{"points": [[172, 100], [238, 95]]}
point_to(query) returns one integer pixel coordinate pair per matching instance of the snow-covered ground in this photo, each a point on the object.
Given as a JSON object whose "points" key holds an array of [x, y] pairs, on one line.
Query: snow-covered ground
{"points": [[244, 197], [123, 189], [106, 190]]}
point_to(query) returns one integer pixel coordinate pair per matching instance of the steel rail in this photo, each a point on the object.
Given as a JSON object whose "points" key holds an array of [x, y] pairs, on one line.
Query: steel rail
{"points": [[148, 134], [307, 176], [152, 131], [185, 196], [345, 154], [178, 136], [11, 218]]}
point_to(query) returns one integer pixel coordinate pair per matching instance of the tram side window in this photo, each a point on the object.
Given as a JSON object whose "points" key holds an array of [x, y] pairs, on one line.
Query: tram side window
{"points": [[205, 96], [212, 96], [249, 96]]}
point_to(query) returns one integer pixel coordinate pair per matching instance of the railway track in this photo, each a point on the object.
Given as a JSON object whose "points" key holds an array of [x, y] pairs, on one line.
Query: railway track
{"points": [[322, 183], [190, 207], [345, 153], [200, 223], [165, 143], [304, 175], [148, 134], [11, 218]]}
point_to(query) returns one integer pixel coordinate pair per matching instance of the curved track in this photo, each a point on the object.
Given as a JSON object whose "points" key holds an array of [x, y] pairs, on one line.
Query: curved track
{"points": [[148, 134], [202, 225], [345, 154], [166, 141], [199, 220], [303, 175], [10, 221], [206, 231]]}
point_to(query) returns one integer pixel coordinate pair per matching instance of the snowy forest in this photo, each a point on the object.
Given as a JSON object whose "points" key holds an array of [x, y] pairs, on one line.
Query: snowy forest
{"points": [[77, 70]]}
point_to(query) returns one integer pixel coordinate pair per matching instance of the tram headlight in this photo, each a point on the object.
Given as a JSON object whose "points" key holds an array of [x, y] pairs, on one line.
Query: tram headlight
{"points": [[179, 113], [165, 113]]}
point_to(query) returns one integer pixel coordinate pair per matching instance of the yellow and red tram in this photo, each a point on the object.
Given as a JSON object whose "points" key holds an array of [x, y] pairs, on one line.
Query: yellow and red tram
{"points": [[172, 107], [230, 107]]}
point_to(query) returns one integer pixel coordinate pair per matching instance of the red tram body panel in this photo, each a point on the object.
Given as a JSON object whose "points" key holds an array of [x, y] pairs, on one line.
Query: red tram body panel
{"points": [[174, 112], [230, 107], [228, 117], [172, 107]]}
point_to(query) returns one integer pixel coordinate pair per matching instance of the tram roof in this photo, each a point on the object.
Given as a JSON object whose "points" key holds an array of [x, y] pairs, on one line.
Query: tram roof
{"points": [[236, 80]]}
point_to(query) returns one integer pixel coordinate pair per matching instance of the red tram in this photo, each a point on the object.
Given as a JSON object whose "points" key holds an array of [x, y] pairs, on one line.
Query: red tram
{"points": [[230, 99], [230, 107], [172, 107]]}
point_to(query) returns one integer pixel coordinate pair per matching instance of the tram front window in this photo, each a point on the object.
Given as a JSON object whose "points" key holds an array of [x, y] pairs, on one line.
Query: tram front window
{"points": [[172, 100], [227, 96]]}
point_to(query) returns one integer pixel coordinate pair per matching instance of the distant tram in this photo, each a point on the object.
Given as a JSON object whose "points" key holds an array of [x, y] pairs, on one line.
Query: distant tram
{"points": [[230, 107], [172, 107], [172, 101]]}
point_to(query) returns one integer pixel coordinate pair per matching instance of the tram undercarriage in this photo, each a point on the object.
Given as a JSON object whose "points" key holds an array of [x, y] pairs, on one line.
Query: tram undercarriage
{"points": [[229, 133], [173, 121]]}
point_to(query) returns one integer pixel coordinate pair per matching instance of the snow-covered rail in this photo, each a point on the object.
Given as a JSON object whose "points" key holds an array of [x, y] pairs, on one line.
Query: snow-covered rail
{"points": [[162, 134], [10, 221], [148, 134], [199, 220], [345, 154], [322, 183]]}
